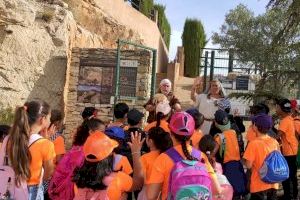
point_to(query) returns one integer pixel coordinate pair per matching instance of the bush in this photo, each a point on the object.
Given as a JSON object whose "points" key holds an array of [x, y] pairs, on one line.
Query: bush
{"points": [[6, 116], [163, 24]]}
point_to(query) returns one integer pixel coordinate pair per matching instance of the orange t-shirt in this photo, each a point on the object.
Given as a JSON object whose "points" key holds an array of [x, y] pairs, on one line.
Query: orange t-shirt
{"points": [[297, 125], [288, 137], [147, 161], [124, 166], [163, 165], [232, 151], [163, 124], [250, 135], [42, 150], [59, 145], [196, 137], [119, 183], [256, 152]]}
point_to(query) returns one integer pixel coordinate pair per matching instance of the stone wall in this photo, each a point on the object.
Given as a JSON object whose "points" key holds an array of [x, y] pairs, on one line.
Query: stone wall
{"points": [[143, 85]]}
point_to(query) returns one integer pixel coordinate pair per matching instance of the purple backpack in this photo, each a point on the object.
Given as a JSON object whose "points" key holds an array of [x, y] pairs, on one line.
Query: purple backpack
{"points": [[188, 179], [61, 185]]}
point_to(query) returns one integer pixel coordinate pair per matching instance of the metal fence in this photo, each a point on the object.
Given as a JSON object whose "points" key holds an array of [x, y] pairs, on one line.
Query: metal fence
{"points": [[216, 63]]}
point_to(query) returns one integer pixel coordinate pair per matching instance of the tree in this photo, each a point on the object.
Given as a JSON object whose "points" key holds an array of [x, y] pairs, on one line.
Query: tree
{"points": [[251, 38], [163, 24], [292, 17], [144, 6], [193, 40]]}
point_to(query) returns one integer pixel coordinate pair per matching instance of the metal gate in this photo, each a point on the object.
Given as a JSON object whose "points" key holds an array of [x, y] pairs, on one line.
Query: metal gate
{"points": [[219, 62]]}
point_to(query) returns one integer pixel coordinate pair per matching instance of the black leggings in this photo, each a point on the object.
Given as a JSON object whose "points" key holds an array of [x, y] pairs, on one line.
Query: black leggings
{"points": [[290, 186], [269, 194]]}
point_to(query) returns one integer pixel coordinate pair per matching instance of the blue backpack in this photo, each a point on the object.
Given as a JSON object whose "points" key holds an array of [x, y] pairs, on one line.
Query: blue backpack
{"points": [[275, 168]]}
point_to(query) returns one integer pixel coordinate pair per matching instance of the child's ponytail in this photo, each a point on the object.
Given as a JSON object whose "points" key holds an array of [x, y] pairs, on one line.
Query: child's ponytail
{"points": [[18, 150], [159, 117], [183, 140]]}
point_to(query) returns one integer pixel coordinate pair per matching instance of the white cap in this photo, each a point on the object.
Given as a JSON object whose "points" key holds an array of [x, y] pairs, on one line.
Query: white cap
{"points": [[163, 107]]}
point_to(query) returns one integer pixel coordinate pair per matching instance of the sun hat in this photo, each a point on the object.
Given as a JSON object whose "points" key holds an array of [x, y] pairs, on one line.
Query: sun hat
{"points": [[163, 107], [263, 121], [99, 146], [182, 123], [221, 117]]}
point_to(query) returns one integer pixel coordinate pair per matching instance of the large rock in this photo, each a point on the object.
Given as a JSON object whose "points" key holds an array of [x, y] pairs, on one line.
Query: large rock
{"points": [[36, 38]]}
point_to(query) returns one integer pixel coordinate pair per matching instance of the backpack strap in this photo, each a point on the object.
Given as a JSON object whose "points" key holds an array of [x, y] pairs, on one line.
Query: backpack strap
{"points": [[3, 150], [34, 138], [117, 159], [223, 145], [196, 153], [174, 155]]}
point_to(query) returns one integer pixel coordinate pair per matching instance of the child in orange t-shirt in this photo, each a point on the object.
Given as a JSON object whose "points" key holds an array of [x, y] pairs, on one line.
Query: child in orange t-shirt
{"points": [[163, 110], [289, 140], [57, 139], [199, 119], [255, 154], [182, 127], [158, 141], [227, 152], [121, 162], [96, 179]]}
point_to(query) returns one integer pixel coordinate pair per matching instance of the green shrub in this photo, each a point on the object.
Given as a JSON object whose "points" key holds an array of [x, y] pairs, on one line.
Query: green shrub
{"points": [[163, 24], [6, 116]]}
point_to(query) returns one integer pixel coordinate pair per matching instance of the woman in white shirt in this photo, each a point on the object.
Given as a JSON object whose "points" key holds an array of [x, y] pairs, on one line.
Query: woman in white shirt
{"points": [[207, 103]]}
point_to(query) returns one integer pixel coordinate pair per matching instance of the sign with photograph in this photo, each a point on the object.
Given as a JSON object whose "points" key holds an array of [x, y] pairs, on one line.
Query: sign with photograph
{"points": [[96, 83]]}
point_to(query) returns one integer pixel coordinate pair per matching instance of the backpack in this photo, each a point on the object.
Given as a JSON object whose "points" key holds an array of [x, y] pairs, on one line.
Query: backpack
{"points": [[227, 190], [275, 168], [8, 187], [188, 179], [61, 185]]}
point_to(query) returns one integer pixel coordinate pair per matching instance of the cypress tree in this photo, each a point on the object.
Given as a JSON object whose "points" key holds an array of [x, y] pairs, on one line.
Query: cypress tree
{"points": [[193, 39]]}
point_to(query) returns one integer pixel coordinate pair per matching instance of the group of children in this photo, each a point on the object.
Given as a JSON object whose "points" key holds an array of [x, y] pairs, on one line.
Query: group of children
{"points": [[169, 158]]}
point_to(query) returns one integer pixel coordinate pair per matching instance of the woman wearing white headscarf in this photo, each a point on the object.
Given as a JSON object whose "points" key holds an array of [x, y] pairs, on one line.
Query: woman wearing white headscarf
{"points": [[209, 102], [165, 88]]}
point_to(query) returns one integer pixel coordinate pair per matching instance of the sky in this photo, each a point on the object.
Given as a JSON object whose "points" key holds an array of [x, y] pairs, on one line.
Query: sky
{"points": [[210, 12]]}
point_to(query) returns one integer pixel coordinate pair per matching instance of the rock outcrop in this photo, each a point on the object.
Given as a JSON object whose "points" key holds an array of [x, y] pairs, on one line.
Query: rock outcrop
{"points": [[36, 38]]}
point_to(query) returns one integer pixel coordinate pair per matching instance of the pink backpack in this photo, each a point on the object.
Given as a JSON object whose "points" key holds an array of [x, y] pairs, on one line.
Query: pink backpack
{"points": [[8, 188], [61, 185], [188, 179], [227, 190]]}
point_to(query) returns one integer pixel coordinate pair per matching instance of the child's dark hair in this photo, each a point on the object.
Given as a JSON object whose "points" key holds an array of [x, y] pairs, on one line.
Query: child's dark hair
{"points": [[183, 140], [120, 110], [207, 145], [18, 152], [56, 116], [159, 117], [4, 130], [83, 131], [91, 174], [198, 117], [94, 124], [259, 108], [160, 138]]}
